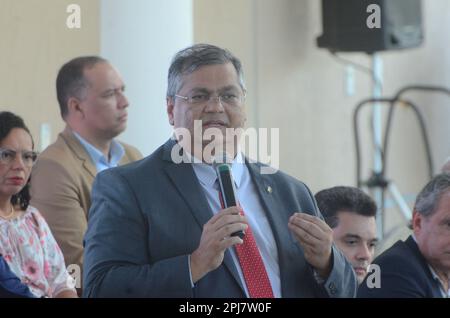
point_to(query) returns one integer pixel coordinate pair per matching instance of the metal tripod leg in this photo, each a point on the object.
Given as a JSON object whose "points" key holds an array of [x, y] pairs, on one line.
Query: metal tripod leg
{"points": [[400, 201]]}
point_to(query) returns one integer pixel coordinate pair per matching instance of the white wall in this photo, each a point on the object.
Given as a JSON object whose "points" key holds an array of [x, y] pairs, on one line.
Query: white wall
{"points": [[140, 38], [299, 88], [35, 43]]}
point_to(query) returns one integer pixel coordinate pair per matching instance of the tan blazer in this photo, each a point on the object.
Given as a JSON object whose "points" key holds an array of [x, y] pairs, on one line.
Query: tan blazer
{"points": [[61, 184]]}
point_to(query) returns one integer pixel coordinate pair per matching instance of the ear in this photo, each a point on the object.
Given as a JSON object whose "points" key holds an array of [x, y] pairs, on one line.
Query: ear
{"points": [[170, 106], [74, 107], [417, 222]]}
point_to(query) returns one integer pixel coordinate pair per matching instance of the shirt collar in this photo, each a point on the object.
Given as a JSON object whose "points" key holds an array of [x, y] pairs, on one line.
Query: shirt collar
{"points": [[116, 152], [207, 175], [445, 293]]}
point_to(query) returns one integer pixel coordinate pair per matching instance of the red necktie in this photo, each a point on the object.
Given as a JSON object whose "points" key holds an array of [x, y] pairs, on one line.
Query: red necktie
{"points": [[252, 265]]}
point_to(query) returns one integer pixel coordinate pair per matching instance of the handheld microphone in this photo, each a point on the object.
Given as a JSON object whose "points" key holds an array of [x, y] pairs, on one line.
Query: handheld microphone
{"points": [[227, 188]]}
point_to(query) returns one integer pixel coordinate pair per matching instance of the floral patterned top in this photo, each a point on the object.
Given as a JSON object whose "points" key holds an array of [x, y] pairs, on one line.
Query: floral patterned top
{"points": [[32, 253]]}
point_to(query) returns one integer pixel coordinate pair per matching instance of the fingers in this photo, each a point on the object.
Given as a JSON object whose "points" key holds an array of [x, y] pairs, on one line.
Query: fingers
{"points": [[229, 211], [303, 236], [309, 228], [227, 217], [224, 223], [316, 238], [228, 229], [215, 239], [313, 219], [229, 241]]}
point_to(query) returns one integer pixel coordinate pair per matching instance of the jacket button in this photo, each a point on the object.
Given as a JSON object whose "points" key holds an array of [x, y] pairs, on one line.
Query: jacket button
{"points": [[332, 288]]}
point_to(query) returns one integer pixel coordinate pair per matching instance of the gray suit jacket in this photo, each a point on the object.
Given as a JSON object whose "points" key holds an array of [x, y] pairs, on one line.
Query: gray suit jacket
{"points": [[147, 217]]}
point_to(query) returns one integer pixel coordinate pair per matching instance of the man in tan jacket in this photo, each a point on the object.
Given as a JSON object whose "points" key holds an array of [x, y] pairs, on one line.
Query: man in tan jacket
{"points": [[92, 102]]}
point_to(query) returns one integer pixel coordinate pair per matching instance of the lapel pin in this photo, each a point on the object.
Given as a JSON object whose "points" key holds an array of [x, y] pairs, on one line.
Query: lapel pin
{"points": [[269, 189]]}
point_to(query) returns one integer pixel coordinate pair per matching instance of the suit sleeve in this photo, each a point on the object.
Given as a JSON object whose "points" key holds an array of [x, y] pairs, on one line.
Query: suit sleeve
{"points": [[55, 195], [341, 281], [117, 257]]}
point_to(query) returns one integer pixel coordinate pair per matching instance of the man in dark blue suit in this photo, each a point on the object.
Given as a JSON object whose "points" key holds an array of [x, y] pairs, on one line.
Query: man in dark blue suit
{"points": [[157, 228], [419, 266]]}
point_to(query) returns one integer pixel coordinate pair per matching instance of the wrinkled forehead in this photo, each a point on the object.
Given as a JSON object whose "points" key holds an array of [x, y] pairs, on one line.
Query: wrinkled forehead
{"points": [[211, 77]]}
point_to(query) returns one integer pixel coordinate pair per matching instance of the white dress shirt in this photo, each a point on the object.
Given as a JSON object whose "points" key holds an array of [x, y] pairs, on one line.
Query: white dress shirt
{"points": [[248, 198]]}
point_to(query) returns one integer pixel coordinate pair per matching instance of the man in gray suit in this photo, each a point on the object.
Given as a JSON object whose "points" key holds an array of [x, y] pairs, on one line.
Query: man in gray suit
{"points": [[157, 228]]}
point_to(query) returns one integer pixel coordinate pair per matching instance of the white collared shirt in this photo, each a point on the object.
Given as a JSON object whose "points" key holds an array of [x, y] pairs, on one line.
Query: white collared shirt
{"points": [[254, 211]]}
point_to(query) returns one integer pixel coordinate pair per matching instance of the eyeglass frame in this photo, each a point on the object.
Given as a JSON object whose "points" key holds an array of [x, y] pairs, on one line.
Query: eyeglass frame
{"points": [[188, 99], [34, 155]]}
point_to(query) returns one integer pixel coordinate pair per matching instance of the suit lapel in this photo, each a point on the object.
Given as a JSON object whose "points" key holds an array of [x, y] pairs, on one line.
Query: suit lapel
{"points": [[79, 151], [184, 180], [268, 193]]}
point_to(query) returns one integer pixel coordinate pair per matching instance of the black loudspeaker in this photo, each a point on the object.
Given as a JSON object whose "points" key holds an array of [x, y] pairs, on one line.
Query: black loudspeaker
{"points": [[346, 29]]}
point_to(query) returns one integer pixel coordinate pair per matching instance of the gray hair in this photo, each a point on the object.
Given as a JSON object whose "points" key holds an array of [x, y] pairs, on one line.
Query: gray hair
{"points": [[191, 58], [428, 198]]}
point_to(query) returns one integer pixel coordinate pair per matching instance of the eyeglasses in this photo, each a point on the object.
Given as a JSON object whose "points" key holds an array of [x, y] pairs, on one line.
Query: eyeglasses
{"points": [[7, 156], [230, 99]]}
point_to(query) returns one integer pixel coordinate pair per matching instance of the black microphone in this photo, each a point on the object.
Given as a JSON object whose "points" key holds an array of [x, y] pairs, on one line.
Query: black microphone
{"points": [[227, 188]]}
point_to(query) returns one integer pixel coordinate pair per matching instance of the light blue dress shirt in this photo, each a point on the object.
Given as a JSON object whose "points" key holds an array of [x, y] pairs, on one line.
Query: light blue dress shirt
{"points": [[101, 163], [247, 196]]}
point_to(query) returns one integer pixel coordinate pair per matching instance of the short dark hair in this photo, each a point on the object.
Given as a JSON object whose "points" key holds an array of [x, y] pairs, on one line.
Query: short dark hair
{"points": [[71, 82], [191, 58], [350, 199], [428, 199], [9, 121]]}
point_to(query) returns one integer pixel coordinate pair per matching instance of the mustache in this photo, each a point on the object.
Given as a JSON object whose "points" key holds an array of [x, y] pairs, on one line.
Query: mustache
{"points": [[217, 121], [364, 265]]}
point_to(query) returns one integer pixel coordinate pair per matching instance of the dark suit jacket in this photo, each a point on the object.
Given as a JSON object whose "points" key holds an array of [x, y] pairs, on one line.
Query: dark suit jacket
{"points": [[147, 217], [404, 274], [10, 284]]}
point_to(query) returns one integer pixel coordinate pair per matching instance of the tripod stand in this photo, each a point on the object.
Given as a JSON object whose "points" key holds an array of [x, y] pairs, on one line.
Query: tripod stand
{"points": [[377, 182]]}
